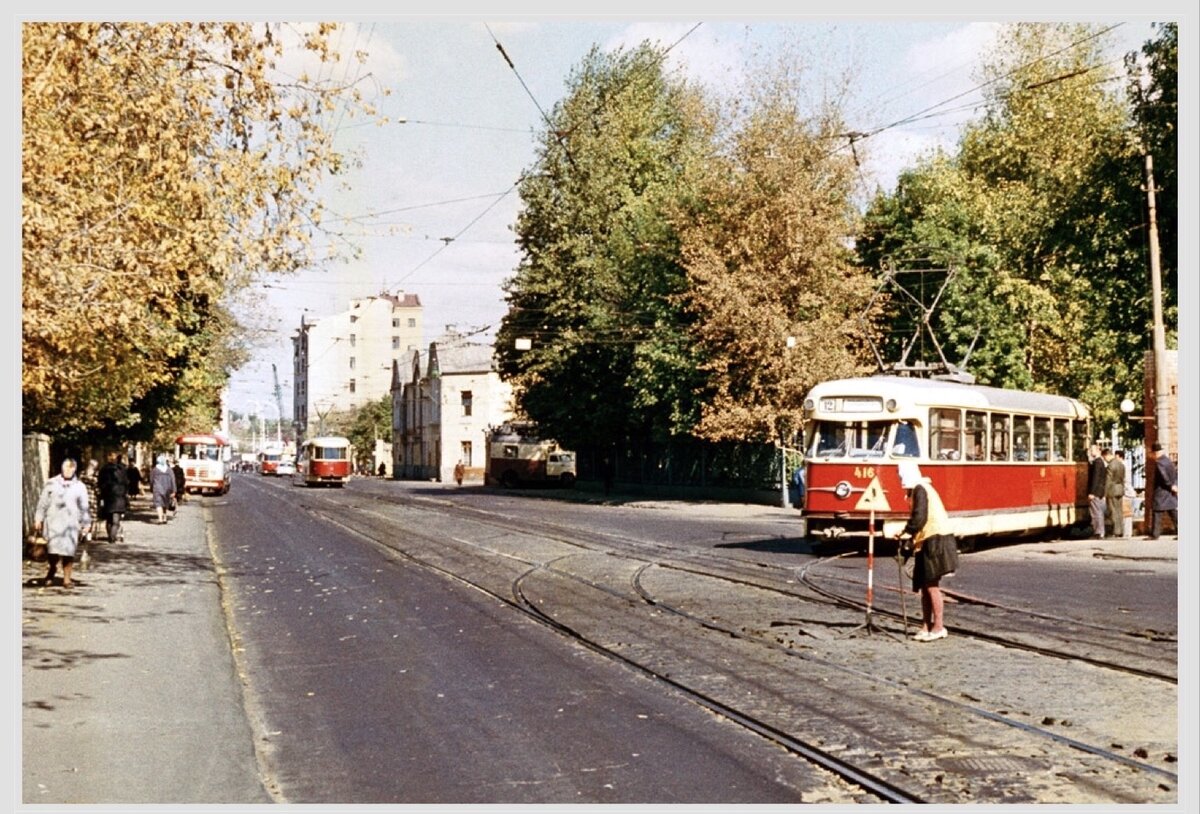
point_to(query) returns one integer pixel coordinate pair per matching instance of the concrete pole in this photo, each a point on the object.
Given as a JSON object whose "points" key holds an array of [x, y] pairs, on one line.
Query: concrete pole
{"points": [[1161, 389]]}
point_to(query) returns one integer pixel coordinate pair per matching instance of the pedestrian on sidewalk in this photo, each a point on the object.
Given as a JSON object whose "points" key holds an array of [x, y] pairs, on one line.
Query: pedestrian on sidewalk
{"points": [[62, 516], [1097, 489], [935, 548], [1116, 492], [113, 483], [134, 476], [180, 482], [1166, 492], [162, 487], [90, 480]]}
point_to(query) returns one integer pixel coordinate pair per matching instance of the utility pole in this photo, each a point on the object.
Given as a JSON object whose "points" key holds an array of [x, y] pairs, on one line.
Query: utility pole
{"points": [[1162, 431]]}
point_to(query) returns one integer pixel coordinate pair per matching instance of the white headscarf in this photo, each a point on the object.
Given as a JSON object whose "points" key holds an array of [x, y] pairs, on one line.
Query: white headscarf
{"points": [[910, 474]]}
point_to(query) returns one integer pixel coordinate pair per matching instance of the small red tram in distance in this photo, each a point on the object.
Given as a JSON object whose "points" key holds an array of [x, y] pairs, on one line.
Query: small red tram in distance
{"points": [[324, 461], [1003, 461]]}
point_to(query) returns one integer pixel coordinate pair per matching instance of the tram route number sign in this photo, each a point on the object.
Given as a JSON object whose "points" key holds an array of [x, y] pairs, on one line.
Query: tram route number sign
{"points": [[873, 498]]}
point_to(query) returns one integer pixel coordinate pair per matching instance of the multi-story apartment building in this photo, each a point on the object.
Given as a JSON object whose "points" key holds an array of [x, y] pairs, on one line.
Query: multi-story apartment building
{"points": [[346, 360], [441, 413]]}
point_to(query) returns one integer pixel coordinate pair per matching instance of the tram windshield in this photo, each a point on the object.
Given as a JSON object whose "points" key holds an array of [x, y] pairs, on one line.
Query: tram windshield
{"points": [[862, 439]]}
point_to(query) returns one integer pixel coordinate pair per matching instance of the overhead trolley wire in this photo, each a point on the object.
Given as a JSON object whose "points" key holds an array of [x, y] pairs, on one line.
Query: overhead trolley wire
{"points": [[927, 112]]}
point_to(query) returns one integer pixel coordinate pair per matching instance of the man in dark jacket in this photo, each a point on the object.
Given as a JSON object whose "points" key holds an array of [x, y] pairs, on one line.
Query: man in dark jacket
{"points": [[1166, 492], [180, 480], [113, 484], [1115, 492], [1097, 489]]}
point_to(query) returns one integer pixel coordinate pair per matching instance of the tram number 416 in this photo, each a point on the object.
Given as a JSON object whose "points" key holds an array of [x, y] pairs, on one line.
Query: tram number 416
{"points": [[864, 471]]}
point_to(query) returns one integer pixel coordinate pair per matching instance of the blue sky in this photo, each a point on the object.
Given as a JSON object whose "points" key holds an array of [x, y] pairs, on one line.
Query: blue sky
{"points": [[469, 125]]}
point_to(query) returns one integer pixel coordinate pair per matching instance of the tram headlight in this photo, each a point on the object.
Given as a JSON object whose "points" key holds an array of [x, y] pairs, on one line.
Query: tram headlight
{"points": [[842, 490], [810, 405], [891, 405]]}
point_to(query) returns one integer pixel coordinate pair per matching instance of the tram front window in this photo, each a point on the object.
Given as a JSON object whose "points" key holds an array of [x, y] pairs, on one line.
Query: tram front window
{"points": [[835, 439]]}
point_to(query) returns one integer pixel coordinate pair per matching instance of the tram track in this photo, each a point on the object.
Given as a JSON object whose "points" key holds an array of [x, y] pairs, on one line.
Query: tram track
{"points": [[521, 570], [1113, 635], [779, 579]]}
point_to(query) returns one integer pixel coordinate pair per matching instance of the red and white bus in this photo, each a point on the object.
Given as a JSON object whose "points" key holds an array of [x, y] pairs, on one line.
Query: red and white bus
{"points": [[324, 461], [205, 459], [1003, 461]]}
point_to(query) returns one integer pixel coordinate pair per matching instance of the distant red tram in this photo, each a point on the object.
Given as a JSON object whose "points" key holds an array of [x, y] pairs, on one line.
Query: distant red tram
{"points": [[324, 461], [1003, 461]]}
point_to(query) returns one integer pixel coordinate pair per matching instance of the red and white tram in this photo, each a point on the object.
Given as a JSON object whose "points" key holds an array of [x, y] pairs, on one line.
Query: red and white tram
{"points": [[324, 461], [1003, 461]]}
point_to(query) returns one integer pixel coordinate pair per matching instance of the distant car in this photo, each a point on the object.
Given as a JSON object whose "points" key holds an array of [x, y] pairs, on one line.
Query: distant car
{"points": [[287, 468]]}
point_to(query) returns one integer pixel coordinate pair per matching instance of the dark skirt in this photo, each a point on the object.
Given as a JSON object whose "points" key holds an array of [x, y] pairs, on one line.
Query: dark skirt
{"points": [[937, 558]]}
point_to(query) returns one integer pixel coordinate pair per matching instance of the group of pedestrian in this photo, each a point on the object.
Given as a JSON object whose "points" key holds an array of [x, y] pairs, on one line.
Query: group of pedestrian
{"points": [[71, 505], [1107, 489]]}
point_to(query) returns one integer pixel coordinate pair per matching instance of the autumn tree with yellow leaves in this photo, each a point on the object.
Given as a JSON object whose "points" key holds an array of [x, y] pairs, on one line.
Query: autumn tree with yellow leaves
{"points": [[164, 168]]}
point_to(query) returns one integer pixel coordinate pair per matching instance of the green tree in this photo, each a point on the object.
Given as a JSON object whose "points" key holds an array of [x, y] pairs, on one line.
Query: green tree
{"points": [[163, 166], [596, 289], [1155, 98], [361, 425], [1039, 209]]}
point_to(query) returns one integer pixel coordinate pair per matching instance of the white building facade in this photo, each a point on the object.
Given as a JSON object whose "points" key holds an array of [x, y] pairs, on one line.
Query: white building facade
{"points": [[345, 360], [441, 412]]}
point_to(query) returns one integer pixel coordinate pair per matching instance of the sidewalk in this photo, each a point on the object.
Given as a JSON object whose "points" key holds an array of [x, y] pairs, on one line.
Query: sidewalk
{"points": [[129, 688]]}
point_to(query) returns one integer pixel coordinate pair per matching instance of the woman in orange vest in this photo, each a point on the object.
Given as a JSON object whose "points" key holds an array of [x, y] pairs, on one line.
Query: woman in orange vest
{"points": [[936, 549]]}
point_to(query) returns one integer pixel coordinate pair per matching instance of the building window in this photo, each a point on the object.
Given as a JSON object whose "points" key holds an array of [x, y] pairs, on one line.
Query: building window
{"points": [[395, 343], [412, 323], [466, 402], [395, 323], [465, 455], [352, 338], [352, 363], [352, 385], [353, 318]]}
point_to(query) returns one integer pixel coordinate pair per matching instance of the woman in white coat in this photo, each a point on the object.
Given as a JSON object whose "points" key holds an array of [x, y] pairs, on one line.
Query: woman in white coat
{"points": [[62, 517]]}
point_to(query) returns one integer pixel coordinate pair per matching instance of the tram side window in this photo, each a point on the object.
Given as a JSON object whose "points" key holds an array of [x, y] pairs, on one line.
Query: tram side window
{"points": [[905, 444], [1062, 440], [945, 436], [1000, 440], [1079, 441], [1041, 439], [1022, 437], [975, 436]]}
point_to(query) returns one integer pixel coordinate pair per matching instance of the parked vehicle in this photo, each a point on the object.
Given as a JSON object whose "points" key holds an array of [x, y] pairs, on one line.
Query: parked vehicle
{"points": [[517, 455]]}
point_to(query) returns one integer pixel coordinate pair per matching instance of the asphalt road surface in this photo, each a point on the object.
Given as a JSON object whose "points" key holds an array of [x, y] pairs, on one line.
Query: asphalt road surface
{"points": [[374, 680]]}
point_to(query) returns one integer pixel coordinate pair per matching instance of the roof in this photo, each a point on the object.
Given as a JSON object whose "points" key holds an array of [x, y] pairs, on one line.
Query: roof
{"points": [[402, 300], [329, 441], [934, 392], [464, 357]]}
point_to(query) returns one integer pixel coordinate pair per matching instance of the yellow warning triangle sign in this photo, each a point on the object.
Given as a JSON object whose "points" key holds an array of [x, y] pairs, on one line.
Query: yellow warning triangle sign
{"points": [[873, 498]]}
